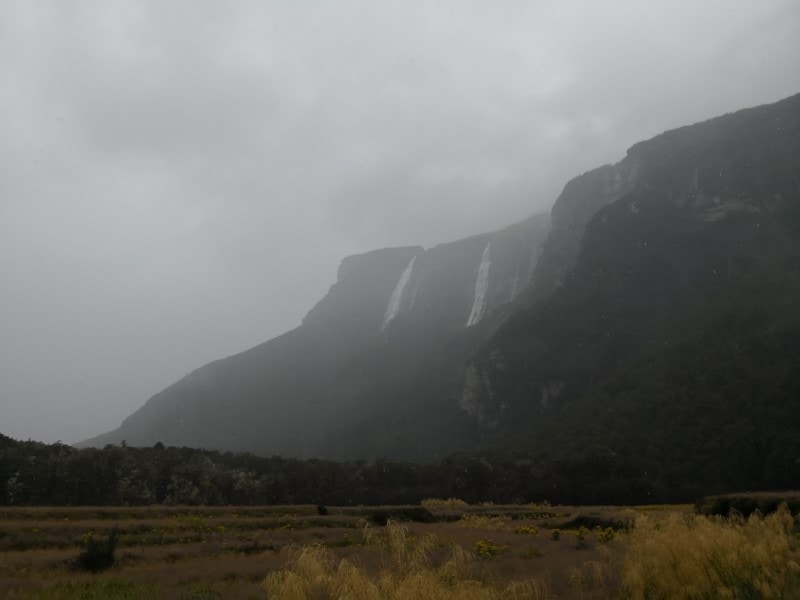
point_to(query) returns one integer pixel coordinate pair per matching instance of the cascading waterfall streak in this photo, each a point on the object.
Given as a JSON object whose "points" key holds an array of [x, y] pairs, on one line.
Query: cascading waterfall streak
{"points": [[393, 308], [481, 283]]}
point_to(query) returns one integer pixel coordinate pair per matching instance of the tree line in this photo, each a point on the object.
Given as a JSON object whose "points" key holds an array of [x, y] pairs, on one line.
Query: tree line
{"points": [[34, 473]]}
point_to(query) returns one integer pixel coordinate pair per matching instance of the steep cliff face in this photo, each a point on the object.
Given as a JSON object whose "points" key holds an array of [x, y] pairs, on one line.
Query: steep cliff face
{"points": [[716, 166], [659, 320], [581, 199], [683, 301], [446, 288], [380, 325]]}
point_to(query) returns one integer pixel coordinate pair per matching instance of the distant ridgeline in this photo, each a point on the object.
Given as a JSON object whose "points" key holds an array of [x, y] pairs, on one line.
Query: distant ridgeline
{"points": [[642, 339]]}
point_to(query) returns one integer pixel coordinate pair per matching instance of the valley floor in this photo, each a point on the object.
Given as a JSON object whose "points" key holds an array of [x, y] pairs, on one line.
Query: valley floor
{"points": [[478, 551]]}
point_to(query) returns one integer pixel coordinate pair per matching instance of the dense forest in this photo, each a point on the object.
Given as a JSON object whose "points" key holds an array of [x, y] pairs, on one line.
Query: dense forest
{"points": [[34, 473]]}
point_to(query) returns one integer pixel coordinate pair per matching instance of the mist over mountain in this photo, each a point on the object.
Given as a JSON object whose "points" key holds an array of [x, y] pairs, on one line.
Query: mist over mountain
{"points": [[674, 342], [648, 327], [380, 328]]}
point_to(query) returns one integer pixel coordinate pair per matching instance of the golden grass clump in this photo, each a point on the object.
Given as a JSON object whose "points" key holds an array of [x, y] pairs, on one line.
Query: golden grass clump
{"points": [[696, 557], [441, 503], [405, 573]]}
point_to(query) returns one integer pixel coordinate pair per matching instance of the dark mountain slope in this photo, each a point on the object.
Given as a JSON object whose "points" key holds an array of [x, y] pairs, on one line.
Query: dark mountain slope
{"points": [[656, 352], [384, 322], [581, 199], [674, 344]]}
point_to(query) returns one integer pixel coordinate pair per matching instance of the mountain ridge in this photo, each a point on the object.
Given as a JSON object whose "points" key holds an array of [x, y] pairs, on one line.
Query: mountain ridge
{"points": [[648, 262]]}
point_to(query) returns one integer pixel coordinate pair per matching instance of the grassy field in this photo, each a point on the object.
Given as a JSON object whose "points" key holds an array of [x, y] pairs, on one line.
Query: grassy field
{"points": [[483, 551]]}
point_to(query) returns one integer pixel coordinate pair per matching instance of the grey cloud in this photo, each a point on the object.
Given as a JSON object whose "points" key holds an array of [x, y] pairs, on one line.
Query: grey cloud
{"points": [[178, 181]]}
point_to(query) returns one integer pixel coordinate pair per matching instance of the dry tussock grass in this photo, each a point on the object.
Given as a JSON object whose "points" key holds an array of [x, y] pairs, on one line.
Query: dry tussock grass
{"points": [[699, 558], [441, 503], [225, 553], [405, 572]]}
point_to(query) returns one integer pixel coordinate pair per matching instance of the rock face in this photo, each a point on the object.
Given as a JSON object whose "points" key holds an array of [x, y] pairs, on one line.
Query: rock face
{"points": [[379, 326], [656, 325], [446, 288], [581, 199], [677, 330]]}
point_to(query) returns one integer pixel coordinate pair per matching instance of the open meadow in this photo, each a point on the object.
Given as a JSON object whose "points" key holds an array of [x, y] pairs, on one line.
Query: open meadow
{"points": [[444, 548]]}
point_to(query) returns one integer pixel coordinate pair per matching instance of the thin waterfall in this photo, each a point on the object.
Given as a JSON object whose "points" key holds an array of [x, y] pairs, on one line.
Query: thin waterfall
{"points": [[514, 287], [481, 283], [397, 295]]}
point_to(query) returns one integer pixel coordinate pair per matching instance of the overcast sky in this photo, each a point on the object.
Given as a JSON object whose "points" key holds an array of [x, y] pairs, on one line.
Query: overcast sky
{"points": [[179, 180]]}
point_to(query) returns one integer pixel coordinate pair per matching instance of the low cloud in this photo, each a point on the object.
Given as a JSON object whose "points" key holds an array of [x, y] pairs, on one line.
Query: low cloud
{"points": [[179, 181]]}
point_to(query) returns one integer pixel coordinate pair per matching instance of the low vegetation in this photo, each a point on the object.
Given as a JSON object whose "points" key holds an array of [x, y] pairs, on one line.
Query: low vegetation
{"points": [[448, 503], [97, 555], [688, 556], [292, 552], [406, 569], [484, 522], [763, 503]]}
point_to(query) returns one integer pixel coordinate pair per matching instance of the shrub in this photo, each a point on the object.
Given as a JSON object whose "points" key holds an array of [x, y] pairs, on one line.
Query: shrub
{"points": [[485, 548], [527, 529], [763, 503], [603, 535], [440, 503], [581, 533], [98, 555]]}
